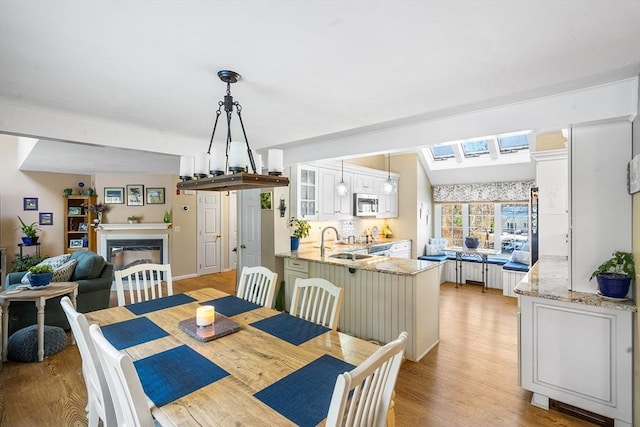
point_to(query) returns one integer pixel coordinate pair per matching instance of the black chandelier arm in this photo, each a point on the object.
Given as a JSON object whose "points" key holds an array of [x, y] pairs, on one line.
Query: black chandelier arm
{"points": [[239, 112], [228, 138], [215, 124]]}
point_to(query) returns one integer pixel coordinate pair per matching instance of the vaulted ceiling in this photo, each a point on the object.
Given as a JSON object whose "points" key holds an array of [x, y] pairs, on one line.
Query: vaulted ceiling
{"points": [[136, 75]]}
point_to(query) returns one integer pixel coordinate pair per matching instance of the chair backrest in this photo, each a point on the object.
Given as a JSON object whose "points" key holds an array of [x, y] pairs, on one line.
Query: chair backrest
{"points": [[99, 405], [258, 285], [317, 300], [130, 401], [144, 282], [362, 397]]}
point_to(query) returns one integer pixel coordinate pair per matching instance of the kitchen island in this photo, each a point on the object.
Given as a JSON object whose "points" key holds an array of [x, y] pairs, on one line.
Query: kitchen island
{"points": [[383, 296]]}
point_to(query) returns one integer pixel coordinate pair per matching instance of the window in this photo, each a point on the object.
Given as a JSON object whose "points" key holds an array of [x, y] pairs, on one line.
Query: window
{"points": [[475, 148], [442, 152], [481, 223], [501, 226], [510, 144], [452, 223], [515, 227]]}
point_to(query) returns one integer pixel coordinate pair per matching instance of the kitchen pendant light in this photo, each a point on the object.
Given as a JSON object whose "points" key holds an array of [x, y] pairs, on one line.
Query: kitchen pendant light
{"points": [[226, 168], [342, 188], [389, 186]]}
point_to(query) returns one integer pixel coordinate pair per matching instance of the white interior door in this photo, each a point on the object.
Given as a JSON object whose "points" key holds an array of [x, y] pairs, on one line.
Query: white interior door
{"points": [[249, 250], [209, 235], [232, 211]]}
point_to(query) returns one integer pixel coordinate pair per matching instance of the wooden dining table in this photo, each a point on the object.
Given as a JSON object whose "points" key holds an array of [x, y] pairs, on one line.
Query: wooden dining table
{"points": [[257, 367]]}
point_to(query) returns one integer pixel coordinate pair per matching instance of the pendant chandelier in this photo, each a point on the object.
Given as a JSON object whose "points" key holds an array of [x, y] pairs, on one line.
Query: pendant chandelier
{"points": [[342, 188], [389, 186], [232, 166]]}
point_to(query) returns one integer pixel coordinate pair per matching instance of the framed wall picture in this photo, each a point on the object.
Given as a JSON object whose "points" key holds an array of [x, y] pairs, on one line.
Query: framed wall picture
{"points": [[45, 218], [265, 200], [83, 226], [155, 195], [30, 204], [135, 195], [114, 195], [75, 210], [75, 243]]}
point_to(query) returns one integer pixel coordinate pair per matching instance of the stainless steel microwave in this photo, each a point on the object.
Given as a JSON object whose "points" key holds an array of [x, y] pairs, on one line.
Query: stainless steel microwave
{"points": [[365, 204]]}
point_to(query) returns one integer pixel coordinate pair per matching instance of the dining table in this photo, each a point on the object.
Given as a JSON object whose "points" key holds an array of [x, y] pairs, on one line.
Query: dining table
{"points": [[270, 369]]}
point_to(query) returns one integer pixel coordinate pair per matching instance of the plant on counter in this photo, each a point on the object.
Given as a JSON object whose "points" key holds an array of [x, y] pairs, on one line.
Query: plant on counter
{"points": [[615, 274], [300, 228]]}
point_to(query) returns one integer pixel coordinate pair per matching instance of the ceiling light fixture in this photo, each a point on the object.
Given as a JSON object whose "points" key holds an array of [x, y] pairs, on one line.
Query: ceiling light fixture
{"points": [[389, 185], [225, 168], [342, 188]]}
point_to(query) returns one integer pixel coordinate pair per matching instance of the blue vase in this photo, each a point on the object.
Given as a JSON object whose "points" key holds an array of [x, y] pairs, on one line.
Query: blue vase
{"points": [[471, 242], [613, 286], [295, 243], [42, 279]]}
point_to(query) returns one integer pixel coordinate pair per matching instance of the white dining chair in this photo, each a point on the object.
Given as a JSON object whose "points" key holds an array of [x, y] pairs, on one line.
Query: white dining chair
{"points": [[132, 406], [363, 396], [258, 285], [99, 403], [144, 282], [317, 300]]}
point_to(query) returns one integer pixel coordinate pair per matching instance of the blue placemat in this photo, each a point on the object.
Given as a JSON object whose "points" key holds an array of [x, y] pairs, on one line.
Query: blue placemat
{"points": [[231, 305], [169, 375], [132, 332], [159, 304], [290, 328], [304, 396]]}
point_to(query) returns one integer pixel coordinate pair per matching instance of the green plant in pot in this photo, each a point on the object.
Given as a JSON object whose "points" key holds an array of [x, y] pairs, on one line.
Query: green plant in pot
{"points": [[30, 232], [614, 276], [41, 275], [300, 229]]}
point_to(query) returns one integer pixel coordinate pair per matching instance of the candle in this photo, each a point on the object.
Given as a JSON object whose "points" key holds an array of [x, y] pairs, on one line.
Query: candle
{"points": [[205, 315], [275, 161]]}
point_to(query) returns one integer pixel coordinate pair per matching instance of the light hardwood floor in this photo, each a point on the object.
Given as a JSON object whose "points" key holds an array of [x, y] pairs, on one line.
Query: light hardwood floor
{"points": [[469, 379]]}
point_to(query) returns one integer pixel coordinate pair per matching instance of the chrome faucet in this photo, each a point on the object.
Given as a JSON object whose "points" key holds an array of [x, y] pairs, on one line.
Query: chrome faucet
{"points": [[322, 238]]}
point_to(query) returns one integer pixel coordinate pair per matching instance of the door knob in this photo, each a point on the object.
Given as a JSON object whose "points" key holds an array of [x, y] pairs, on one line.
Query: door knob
{"points": [[243, 247]]}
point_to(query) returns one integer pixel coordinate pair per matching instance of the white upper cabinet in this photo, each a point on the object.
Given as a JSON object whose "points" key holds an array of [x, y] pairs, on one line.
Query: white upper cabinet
{"points": [[331, 205], [364, 184], [387, 203], [305, 192]]}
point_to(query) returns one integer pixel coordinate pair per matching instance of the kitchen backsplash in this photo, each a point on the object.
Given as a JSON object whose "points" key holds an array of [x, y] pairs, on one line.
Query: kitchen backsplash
{"points": [[352, 227]]}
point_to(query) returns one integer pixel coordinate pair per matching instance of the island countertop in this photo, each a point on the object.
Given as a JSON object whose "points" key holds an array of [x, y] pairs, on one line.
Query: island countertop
{"points": [[381, 264], [549, 278]]}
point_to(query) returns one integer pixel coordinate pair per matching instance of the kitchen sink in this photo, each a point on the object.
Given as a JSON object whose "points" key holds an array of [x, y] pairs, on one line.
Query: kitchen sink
{"points": [[350, 256]]}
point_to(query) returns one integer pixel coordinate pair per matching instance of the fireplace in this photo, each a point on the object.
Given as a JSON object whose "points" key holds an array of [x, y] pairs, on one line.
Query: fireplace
{"points": [[125, 251]]}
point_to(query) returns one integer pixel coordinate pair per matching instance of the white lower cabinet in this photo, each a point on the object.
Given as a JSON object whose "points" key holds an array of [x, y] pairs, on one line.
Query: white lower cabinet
{"points": [[577, 354], [401, 250], [293, 269]]}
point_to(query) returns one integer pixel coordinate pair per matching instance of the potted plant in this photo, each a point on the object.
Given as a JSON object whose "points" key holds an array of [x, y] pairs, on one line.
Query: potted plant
{"points": [[471, 242], [615, 274], [41, 275], [300, 229], [30, 232], [133, 219]]}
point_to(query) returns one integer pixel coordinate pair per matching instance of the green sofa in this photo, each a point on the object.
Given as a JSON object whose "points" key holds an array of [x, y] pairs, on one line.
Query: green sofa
{"points": [[94, 277]]}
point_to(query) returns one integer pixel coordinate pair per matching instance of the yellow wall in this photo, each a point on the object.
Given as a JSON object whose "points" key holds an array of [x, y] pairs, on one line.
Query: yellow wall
{"points": [[550, 141]]}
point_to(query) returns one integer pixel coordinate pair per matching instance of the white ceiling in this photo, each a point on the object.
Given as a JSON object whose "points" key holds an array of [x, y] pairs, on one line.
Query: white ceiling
{"points": [[310, 69]]}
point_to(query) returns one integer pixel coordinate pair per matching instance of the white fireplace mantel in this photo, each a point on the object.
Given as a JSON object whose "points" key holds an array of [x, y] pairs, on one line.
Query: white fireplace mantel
{"points": [[135, 226]]}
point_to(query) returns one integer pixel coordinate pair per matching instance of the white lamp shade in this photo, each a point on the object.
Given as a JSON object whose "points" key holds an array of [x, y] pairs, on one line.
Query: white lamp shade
{"points": [[201, 165], [186, 166], [342, 189], [217, 160], [276, 161], [388, 187], [238, 158]]}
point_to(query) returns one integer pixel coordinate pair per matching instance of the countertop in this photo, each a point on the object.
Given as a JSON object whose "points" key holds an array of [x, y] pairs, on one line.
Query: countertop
{"points": [[549, 278], [381, 264]]}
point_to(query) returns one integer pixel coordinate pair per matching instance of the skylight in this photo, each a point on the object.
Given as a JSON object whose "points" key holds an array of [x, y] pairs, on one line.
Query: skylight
{"points": [[475, 148], [509, 144], [442, 152]]}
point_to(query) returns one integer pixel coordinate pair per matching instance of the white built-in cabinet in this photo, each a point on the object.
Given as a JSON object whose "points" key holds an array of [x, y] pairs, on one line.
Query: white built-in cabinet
{"points": [[387, 203], [331, 205], [314, 196], [577, 354], [600, 204], [293, 269], [552, 180]]}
